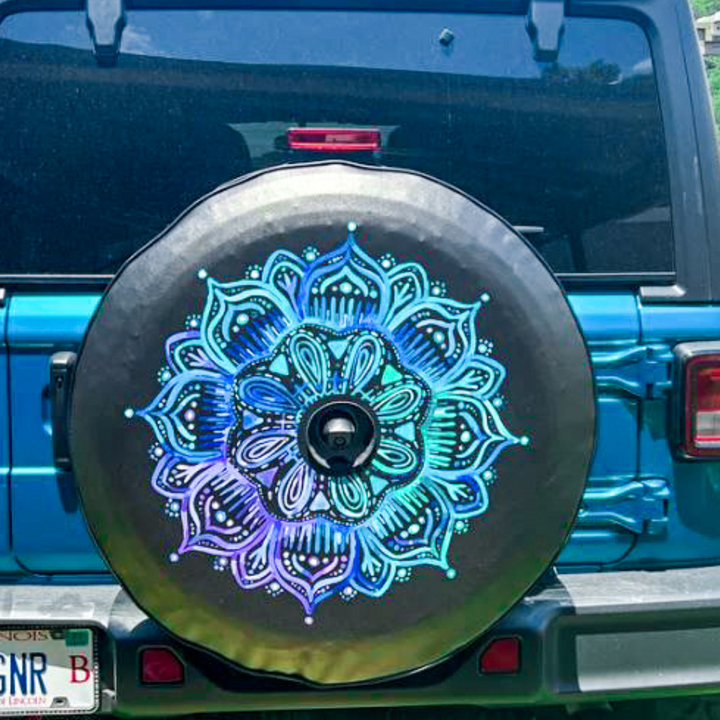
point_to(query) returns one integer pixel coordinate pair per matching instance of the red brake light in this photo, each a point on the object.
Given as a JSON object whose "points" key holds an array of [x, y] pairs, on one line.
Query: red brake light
{"points": [[501, 657], [334, 139], [160, 666], [702, 406]]}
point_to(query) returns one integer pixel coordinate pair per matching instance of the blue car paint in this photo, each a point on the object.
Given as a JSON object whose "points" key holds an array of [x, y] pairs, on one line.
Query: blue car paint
{"points": [[48, 533], [7, 561], [642, 508], [695, 503]]}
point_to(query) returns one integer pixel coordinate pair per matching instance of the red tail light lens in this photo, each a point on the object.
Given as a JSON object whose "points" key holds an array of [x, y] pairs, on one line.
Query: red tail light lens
{"points": [[334, 139], [160, 666], [501, 657], [702, 406]]}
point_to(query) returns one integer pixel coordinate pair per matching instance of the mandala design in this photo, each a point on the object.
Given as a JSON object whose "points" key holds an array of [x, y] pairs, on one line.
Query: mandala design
{"points": [[295, 332]]}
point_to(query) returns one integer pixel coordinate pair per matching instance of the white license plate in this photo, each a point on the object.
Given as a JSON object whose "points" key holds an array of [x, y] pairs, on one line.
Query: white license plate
{"points": [[47, 671]]}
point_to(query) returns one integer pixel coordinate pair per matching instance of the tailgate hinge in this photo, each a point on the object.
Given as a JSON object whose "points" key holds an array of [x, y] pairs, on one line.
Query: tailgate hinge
{"points": [[640, 506], [644, 371]]}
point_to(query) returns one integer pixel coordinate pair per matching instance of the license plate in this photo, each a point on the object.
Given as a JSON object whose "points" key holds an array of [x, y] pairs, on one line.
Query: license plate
{"points": [[47, 671]]}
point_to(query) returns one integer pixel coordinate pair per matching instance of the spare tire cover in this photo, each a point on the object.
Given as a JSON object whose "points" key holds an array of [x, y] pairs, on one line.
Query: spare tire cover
{"points": [[333, 422]]}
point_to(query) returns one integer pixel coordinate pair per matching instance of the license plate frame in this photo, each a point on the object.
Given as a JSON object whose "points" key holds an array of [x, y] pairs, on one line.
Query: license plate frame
{"points": [[82, 638]]}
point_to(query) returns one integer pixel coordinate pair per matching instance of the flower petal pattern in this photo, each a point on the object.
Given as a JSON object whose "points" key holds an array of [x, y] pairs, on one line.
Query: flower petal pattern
{"points": [[192, 413], [297, 332]]}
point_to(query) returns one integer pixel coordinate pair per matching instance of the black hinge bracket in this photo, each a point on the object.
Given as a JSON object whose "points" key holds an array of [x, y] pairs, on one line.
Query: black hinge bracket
{"points": [[106, 21], [546, 27], [62, 366]]}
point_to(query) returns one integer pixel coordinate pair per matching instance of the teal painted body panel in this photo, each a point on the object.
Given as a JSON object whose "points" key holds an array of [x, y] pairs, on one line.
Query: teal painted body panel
{"points": [[611, 326], [641, 508], [7, 559], [693, 533], [49, 533]]}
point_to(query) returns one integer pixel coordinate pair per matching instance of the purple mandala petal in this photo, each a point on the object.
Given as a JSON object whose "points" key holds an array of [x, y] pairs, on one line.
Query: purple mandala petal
{"points": [[174, 476], [254, 566], [293, 490], [308, 574], [222, 515], [271, 447], [186, 352], [374, 572]]}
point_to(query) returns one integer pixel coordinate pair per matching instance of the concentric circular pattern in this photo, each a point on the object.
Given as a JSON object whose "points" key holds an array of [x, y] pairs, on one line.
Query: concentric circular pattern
{"points": [[295, 333]]}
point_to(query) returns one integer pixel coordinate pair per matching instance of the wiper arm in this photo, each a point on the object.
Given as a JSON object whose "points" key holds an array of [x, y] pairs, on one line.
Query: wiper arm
{"points": [[106, 21]]}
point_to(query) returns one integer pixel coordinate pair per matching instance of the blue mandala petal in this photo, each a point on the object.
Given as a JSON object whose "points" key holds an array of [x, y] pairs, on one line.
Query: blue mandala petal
{"points": [[242, 320], [192, 414], [436, 335], [284, 272], [408, 284], [374, 574], [413, 527], [363, 359], [311, 364], [478, 376], [344, 288], [398, 459], [264, 395], [466, 494], [351, 498], [465, 433]]}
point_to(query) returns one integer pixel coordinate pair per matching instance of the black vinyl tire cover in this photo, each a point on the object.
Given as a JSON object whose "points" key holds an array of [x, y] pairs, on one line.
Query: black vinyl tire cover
{"points": [[268, 296]]}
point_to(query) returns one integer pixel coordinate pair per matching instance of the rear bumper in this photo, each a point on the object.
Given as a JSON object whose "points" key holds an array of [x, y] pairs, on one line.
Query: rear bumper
{"points": [[585, 638]]}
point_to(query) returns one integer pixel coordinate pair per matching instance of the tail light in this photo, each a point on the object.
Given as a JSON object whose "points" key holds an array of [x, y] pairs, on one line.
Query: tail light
{"points": [[501, 656], [160, 666], [700, 399], [334, 139]]}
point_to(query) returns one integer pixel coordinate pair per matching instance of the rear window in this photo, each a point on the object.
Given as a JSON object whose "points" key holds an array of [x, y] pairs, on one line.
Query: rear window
{"points": [[95, 161]]}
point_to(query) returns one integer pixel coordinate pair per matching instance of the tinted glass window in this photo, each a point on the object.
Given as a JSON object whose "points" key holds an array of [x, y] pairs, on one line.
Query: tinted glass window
{"points": [[95, 161]]}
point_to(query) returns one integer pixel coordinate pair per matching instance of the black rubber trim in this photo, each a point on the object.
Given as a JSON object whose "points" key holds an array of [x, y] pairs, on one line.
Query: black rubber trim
{"points": [[81, 283]]}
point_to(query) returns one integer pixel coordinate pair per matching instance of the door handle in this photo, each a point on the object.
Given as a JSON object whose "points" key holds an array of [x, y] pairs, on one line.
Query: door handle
{"points": [[62, 365]]}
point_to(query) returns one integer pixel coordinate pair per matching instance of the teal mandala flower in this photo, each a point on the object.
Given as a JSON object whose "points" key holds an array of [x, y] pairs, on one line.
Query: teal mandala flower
{"points": [[244, 377]]}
